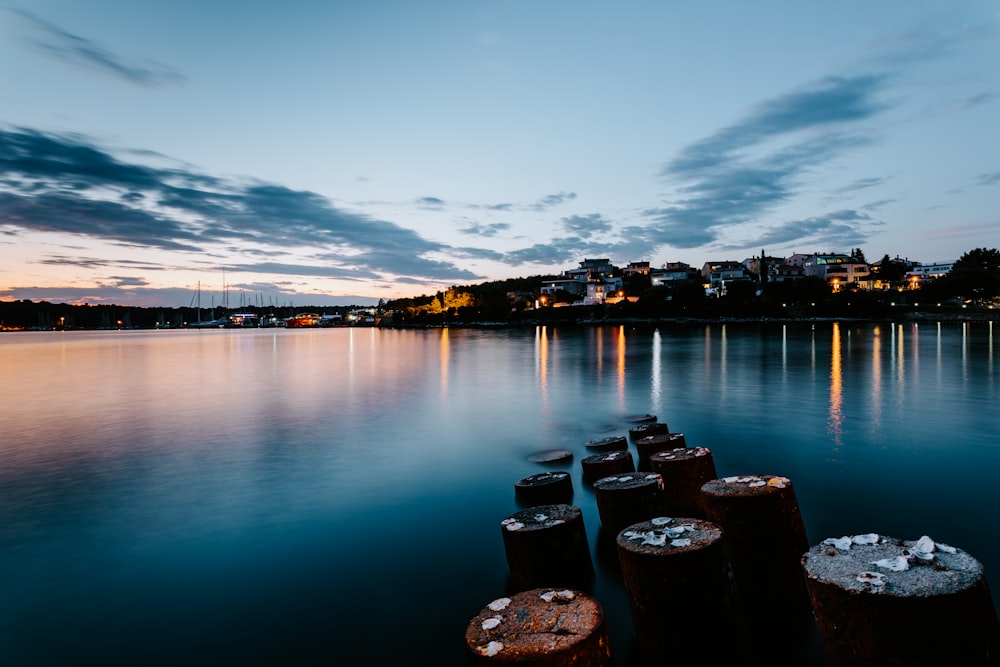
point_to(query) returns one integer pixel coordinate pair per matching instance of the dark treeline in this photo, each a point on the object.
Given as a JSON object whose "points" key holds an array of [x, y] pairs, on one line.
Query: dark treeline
{"points": [[44, 315], [970, 290]]}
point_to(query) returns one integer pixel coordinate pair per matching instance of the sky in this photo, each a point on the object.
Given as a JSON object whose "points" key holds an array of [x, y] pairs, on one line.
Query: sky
{"points": [[335, 153]]}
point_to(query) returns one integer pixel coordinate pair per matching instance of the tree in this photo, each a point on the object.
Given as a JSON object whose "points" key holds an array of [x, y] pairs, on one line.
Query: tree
{"points": [[976, 274], [858, 255], [890, 271]]}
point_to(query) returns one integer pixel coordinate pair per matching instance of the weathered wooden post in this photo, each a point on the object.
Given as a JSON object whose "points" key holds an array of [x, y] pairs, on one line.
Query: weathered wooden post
{"points": [[760, 517], [606, 464], [684, 471], [544, 488], [543, 627], [629, 498], [681, 592], [651, 428], [648, 445], [609, 444], [882, 601], [547, 546]]}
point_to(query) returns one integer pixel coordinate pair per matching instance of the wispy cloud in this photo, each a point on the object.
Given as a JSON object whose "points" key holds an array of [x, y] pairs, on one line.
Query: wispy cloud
{"points": [[744, 171], [838, 229], [63, 184], [586, 225], [53, 41], [989, 179], [548, 201], [488, 231]]}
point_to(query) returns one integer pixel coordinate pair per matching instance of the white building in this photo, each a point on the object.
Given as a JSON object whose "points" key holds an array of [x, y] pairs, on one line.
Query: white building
{"points": [[837, 270]]}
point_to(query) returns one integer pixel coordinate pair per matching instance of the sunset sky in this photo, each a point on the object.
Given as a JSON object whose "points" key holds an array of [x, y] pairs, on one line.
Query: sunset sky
{"points": [[320, 152]]}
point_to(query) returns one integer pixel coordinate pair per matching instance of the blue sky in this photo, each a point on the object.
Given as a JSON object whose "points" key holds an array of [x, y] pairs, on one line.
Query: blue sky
{"points": [[340, 152]]}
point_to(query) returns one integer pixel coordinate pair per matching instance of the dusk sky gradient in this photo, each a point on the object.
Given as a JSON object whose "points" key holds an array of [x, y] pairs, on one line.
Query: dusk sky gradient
{"points": [[328, 153]]}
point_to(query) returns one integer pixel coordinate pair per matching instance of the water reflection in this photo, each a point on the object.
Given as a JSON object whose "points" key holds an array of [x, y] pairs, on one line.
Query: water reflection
{"points": [[240, 496], [836, 390], [876, 372], [542, 362], [655, 389], [444, 349], [620, 366]]}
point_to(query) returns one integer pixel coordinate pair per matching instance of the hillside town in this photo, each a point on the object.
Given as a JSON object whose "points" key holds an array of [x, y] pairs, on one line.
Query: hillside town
{"points": [[762, 286]]}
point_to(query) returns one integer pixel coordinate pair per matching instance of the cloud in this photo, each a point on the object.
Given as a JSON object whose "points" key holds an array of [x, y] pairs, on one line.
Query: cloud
{"points": [[837, 229], [491, 230], [860, 184], [430, 202], [744, 171], [586, 225], [979, 100], [95, 263], [553, 254], [75, 50], [989, 179], [56, 183], [548, 201]]}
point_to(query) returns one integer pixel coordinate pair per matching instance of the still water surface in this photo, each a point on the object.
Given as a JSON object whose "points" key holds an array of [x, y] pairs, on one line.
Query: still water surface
{"points": [[333, 497]]}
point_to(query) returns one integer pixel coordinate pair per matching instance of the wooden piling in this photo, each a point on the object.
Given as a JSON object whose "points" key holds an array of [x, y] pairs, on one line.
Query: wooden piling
{"points": [[609, 444], [684, 471], [544, 488], [648, 445], [760, 517], [681, 591], [649, 428], [626, 499], [606, 464], [878, 600], [543, 627], [547, 546]]}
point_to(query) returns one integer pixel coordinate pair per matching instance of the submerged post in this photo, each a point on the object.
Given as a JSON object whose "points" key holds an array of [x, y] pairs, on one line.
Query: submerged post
{"points": [[651, 428], [882, 601], [684, 470], [681, 591], [652, 444], [544, 488], [547, 546], [626, 499], [760, 517], [609, 444], [605, 465]]}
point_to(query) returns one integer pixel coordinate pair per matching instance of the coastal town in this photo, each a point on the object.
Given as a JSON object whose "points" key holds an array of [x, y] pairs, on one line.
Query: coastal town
{"points": [[799, 285]]}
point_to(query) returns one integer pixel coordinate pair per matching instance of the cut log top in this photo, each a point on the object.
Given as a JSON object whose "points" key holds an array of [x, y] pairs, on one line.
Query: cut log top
{"points": [[629, 481], [645, 430], [665, 535], [610, 456], [540, 517], [542, 478], [747, 485], [680, 454], [611, 442], [661, 439], [535, 623], [905, 568]]}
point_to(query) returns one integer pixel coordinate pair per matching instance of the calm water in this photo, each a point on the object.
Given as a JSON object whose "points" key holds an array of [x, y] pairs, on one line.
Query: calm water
{"points": [[333, 497]]}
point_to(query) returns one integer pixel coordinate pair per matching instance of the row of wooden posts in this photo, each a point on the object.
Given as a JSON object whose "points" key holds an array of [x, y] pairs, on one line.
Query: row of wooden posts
{"points": [[719, 569]]}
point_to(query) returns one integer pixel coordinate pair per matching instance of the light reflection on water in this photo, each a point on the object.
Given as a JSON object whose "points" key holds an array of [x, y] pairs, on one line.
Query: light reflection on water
{"points": [[279, 497]]}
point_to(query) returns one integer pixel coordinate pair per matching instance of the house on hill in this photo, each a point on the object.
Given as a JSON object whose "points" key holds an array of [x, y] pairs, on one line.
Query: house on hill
{"points": [[837, 270]]}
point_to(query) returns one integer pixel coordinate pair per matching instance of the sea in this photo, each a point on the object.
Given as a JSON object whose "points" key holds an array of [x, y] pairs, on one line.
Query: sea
{"points": [[335, 496]]}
